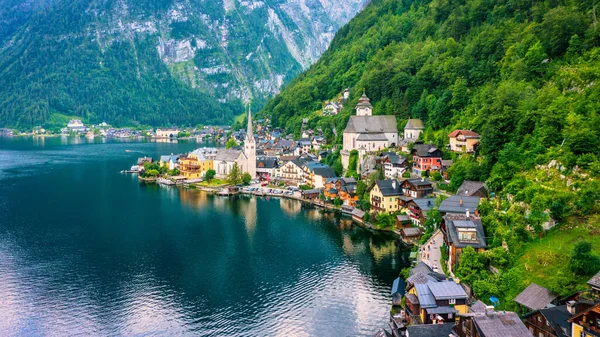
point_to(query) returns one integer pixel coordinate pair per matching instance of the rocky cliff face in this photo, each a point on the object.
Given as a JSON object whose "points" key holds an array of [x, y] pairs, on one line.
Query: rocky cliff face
{"points": [[230, 49]]}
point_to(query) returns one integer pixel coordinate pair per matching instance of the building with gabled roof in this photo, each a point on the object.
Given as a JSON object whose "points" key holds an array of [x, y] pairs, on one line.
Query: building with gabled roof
{"points": [[457, 204], [461, 231], [385, 195], [426, 157], [464, 141], [491, 324], [413, 129], [473, 189], [535, 297]]}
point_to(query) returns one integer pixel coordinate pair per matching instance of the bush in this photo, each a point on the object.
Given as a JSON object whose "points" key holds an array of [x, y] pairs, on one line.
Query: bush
{"points": [[246, 178], [337, 201], [583, 262], [210, 174]]}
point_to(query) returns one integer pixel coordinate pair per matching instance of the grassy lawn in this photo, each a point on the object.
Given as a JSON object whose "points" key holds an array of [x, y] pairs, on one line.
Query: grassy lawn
{"points": [[214, 183], [545, 257]]}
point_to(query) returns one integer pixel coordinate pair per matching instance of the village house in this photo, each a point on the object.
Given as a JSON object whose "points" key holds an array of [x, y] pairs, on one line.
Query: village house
{"points": [[170, 161], [418, 208], [411, 235], [457, 204], [426, 157], [332, 108], [594, 283], [552, 321], [167, 132], [318, 174], [4, 132], [291, 172], [434, 300], [461, 231], [365, 132], [586, 323], [266, 167], [536, 297], [393, 165], [318, 141], [141, 161], [491, 324], [76, 125], [463, 141], [345, 188], [417, 188], [195, 164], [413, 129], [384, 195], [473, 189]]}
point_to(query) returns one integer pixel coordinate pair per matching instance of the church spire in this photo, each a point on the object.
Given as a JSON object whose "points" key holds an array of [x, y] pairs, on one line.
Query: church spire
{"points": [[249, 132]]}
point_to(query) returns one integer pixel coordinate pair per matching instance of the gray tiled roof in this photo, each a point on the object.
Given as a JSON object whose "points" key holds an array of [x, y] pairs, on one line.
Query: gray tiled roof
{"points": [[446, 290], [425, 204], [430, 330], [372, 124], [372, 137], [501, 324], [387, 187], [453, 204], [425, 296], [454, 221], [228, 155], [535, 297], [478, 306], [469, 187], [413, 124], [426, 150], [411, 231], [557, 317], [595, 281]]}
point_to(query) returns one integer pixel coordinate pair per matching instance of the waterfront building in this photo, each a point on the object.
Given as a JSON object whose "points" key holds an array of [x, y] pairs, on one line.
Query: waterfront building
{"points": [[171, 161], [76, 125], [226, 159], [195, 164], [345, 188], [266, 167], [491, 324], [385, 195], [167, 132], [365, 132]]}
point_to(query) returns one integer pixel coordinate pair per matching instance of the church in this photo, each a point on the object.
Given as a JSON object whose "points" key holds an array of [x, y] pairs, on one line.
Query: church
{"points": [[245, 160], [367, 133]]}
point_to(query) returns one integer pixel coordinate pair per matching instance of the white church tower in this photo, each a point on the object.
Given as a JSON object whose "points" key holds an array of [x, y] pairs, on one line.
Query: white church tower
{"points": [[250, 147], [364, 107]]}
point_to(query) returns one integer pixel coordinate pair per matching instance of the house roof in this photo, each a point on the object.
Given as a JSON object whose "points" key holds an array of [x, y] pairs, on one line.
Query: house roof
{"points": [[455, 222], [430, 330], [442, 310], [411, 231], [268, 162], [468, 188], [558, 318], [535, 297], [466, 133], [372, 124], [425, 203], [426, 150], [398, 286], [425, 296], [358, 213], [501, 324], [403, 218], [445, 290], [326, 172], [419, 182], [414, 124], [453, 204], [387, 187], [478, 306], [595, 281], [228, 155]]}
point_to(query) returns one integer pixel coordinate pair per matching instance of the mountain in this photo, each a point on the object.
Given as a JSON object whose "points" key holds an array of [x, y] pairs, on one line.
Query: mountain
{"points": [[155, 61], [525, 76]]}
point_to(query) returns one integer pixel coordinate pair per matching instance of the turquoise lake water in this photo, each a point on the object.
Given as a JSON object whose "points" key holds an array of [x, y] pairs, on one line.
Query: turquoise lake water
{"points": [[86, 250]]}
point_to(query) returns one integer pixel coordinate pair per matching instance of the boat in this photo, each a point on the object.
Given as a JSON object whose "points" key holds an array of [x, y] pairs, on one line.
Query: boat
{"points": [[167, 182]]}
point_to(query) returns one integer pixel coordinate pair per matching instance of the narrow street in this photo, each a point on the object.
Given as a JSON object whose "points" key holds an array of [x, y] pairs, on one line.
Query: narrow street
{"points": [[430, 252]]}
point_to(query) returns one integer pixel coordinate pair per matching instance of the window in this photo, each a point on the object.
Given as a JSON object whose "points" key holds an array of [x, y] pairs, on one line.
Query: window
{"points": [[452, 301]]}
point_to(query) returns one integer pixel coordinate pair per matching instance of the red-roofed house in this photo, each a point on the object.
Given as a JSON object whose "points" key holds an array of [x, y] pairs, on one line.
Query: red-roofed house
{"points": [[463, 141]]}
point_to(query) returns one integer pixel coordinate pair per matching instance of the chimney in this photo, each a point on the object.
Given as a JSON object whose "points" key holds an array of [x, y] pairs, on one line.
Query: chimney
{"points": [[461, 201], [571, 307], [489, 310], [468, 213], [394, 184]]}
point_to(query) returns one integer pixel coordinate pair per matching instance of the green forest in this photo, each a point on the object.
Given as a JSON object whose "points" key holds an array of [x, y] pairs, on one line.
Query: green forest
{"points": [[522, 74]]}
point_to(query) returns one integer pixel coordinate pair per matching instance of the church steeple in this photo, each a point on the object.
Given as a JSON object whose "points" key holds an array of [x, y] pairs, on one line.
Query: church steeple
{"points": [[249, 132]]}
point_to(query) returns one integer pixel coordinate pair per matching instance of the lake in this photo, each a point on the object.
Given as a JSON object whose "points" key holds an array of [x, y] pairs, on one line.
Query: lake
{"points": [[86, 250]]}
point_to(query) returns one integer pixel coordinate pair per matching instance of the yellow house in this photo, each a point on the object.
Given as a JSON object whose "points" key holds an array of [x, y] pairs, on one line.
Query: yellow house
{"points": [[385, 195], [195, 165]]}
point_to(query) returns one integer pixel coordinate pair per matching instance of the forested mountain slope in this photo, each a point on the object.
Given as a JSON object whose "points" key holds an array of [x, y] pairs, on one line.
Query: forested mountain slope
{"points": [[155, 61], [523, 74]]}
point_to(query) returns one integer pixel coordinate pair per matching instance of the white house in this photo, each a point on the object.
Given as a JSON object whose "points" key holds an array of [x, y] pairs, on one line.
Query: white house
{"points": [[413, 128], [76, 125]]}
